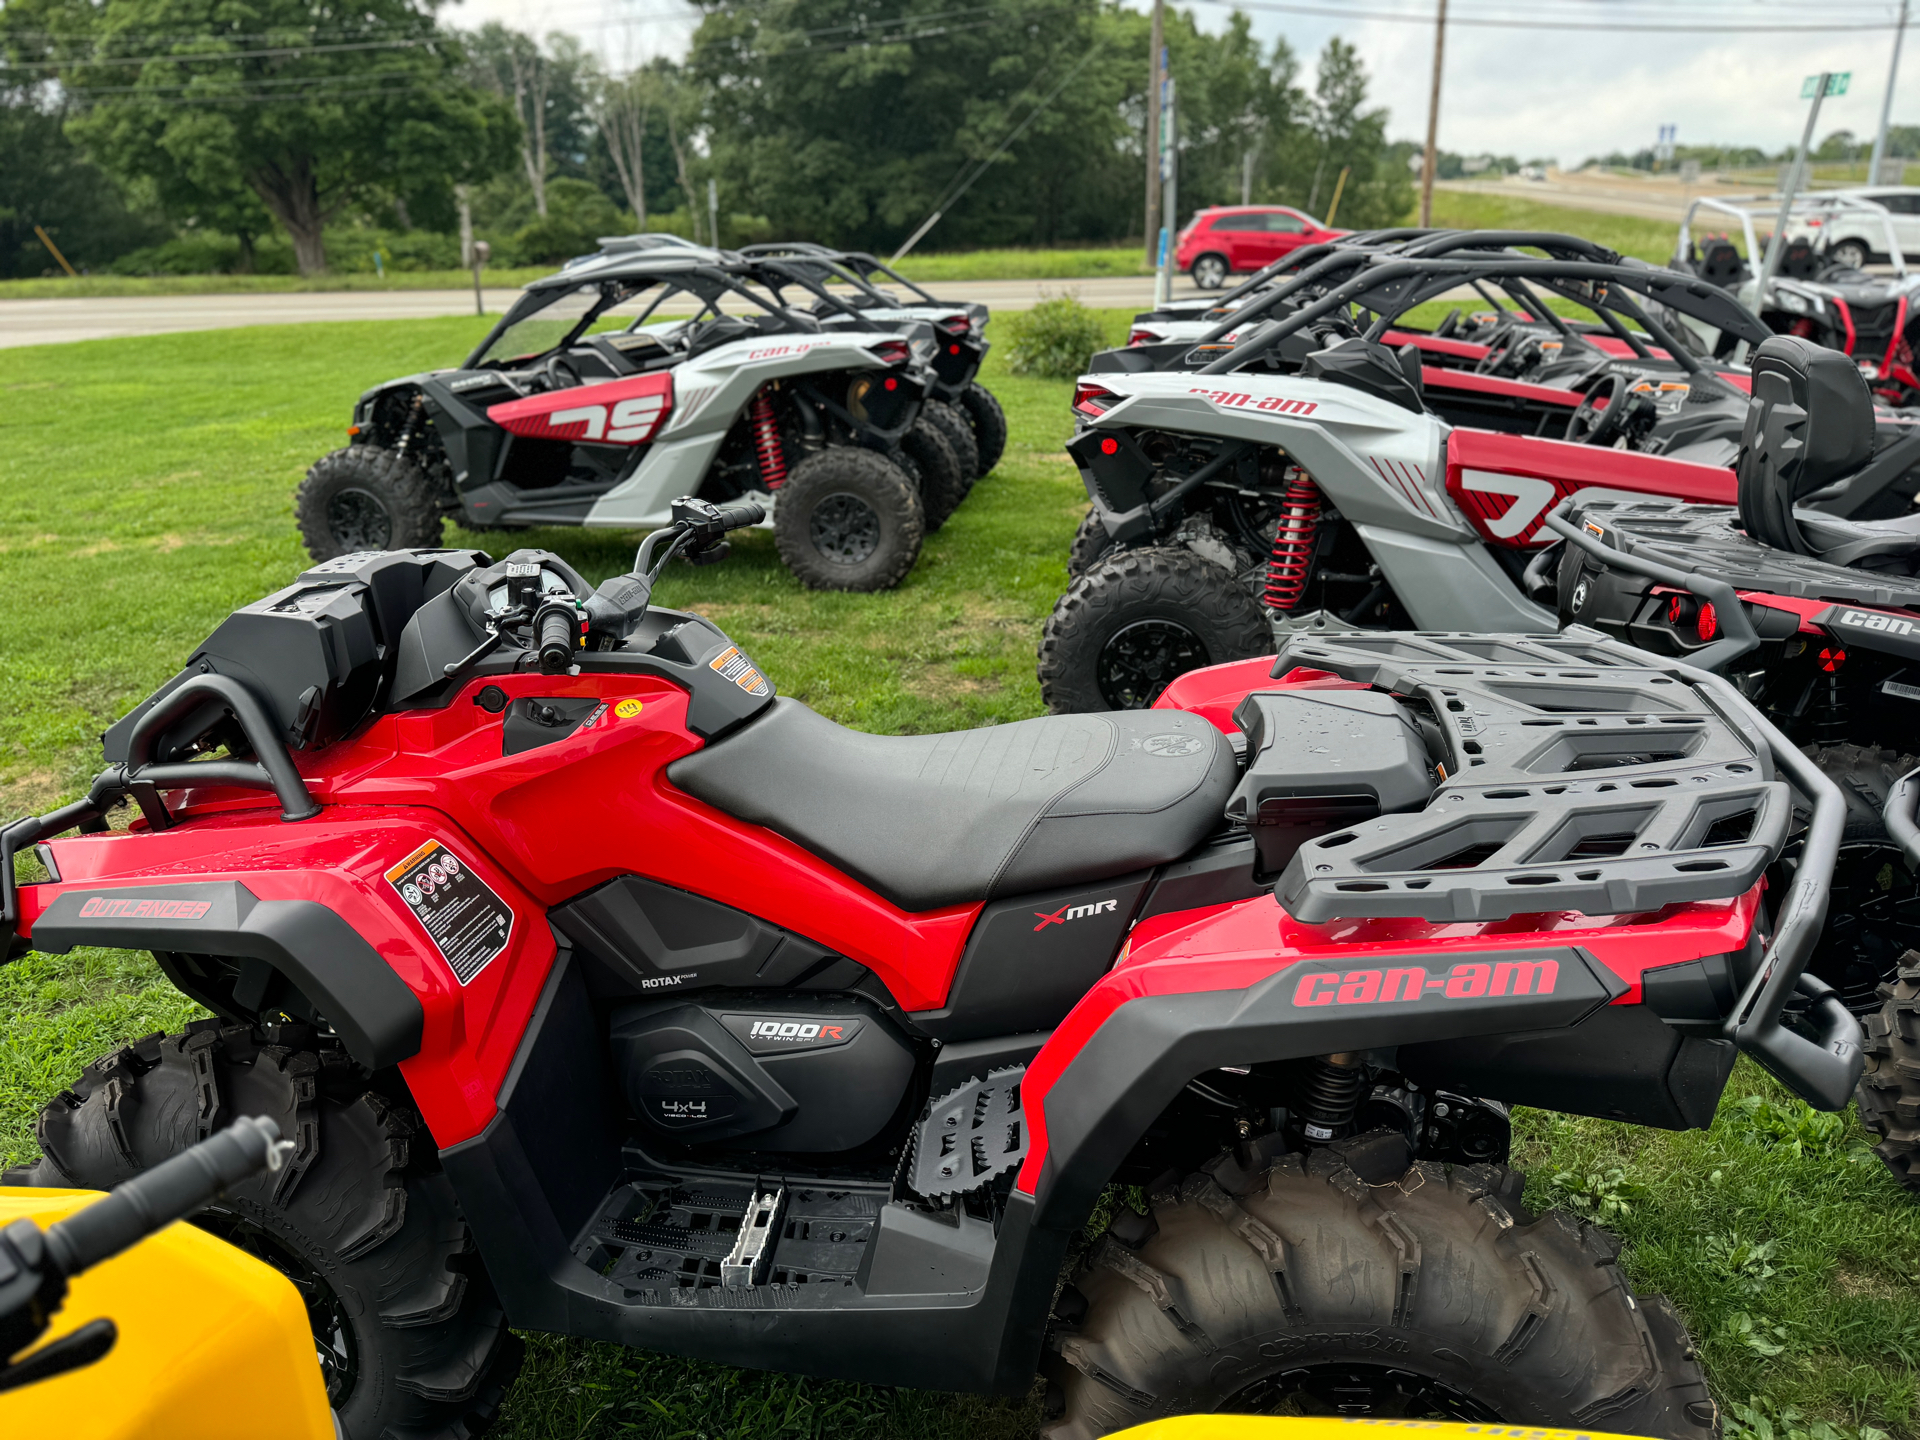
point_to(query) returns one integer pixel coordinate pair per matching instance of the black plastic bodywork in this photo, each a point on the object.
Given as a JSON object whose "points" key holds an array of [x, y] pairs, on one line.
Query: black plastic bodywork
{"points": [[337, 975]]}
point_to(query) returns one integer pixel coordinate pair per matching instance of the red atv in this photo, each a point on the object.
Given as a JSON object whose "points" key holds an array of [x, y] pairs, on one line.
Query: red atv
{"points": [[607, 994]]}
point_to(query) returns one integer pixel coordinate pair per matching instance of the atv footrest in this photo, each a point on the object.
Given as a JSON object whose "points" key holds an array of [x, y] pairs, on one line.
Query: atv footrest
{"points": [[658, 1234]]}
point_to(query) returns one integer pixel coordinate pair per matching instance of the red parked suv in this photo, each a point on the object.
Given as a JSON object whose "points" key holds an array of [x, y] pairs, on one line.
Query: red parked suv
{"points": [[1242, 238]]}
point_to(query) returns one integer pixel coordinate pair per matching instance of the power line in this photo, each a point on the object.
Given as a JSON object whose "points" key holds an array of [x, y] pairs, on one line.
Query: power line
{"points": [[1613, 23]]}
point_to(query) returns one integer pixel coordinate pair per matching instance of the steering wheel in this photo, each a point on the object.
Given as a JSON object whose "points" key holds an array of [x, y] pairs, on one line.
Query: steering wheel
{"points": [[559, 373], [1450, 323], [1498, 344], [1602, 415]]}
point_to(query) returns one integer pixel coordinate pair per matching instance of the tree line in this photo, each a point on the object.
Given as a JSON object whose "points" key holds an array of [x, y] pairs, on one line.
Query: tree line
{"points": [[293, 134]]}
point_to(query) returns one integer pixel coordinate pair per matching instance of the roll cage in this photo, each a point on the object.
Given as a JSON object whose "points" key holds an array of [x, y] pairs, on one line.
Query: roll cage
{"points": [[1744, 208], [1385, 286]]}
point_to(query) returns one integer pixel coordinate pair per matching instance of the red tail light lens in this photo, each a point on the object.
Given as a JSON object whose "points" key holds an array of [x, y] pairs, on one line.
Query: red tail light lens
{"points": [[893, 352], [1092, 399], [956, 325], [1680, 608], [1705, 624], [1141, 337], [1832, 658]]}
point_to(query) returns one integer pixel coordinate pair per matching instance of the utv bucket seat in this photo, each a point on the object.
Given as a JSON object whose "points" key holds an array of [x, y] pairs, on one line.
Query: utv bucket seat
{"points": [[1810, 425]]}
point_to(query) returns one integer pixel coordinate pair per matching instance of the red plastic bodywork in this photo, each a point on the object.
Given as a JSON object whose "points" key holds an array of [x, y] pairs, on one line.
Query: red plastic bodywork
{"points": [[540, 826], [616, 412], [1233, 947], [1546, 472]]}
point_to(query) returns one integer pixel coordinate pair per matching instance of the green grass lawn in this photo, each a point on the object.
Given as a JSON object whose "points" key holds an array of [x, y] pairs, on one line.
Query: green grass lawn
{"points": [[1630, 234], [145, 490]]}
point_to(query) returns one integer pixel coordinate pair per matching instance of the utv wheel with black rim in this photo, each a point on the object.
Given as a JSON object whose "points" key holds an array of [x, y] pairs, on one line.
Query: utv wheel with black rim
{"points": [[1889, 1096], [934, 467], [848, 519], [365, 498], [1139, 619], [1210, 272], [411, 1338], [1349, 1283], [1090, 543], [984, 413], [1871, 919], [958, 434]]}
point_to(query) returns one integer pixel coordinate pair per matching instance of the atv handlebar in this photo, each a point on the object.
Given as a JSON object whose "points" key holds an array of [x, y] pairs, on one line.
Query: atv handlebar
{"points": [[556, 630], [171, 1191]]}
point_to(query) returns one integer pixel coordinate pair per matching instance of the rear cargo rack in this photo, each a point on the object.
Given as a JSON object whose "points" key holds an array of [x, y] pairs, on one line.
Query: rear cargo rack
{"points": [[1586, 775]]}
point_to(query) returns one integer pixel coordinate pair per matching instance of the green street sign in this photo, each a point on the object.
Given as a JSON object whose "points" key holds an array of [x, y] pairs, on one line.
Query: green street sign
{"points": [[1837, 84]]}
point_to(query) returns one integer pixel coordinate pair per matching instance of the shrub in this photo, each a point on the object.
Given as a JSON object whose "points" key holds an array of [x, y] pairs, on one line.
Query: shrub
{"points": [[1055, 339], [577, 216]]}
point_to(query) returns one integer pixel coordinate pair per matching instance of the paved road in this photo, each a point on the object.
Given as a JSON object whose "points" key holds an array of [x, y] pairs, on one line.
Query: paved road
{"points": [[45, 322]]}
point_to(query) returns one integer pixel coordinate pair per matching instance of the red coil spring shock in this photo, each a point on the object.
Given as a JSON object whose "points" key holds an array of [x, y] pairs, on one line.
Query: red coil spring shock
{"points": [[1293, 542], [773, 460]]}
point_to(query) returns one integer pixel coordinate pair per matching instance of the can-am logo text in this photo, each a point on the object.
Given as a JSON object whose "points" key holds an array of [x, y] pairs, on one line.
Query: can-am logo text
{"points": [[1281, 405], [1073, 913], [152, 910], [1875, 620], [1466, 981]]}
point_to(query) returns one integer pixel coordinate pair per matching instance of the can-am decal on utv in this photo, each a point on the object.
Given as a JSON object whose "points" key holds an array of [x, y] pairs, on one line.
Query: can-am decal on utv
{"points": [[608, 993]]}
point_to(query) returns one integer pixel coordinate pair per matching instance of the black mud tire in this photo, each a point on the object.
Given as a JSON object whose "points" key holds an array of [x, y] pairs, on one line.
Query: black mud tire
{"points": [[365, 498], [958, 434], [1139, 619], [1349, 1282], [848, 519], [1889, 1096], [1090, 543], [930, 461], [412, 1337], [984, 413], [1871, 921]]}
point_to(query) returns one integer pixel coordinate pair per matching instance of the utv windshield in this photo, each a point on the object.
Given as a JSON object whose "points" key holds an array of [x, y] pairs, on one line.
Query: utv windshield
{"points": [[544, 320]]}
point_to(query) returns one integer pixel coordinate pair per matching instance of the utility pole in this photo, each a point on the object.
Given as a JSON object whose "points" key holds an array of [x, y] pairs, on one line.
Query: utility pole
{"points": [[1778, 241], [1247, 178], [1433, 118], [1164, 282], [1887, 98], [713, 213], [1156, 65]]}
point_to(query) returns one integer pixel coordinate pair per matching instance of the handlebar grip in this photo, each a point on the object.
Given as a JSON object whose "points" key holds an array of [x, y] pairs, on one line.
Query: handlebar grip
{"points": [[175, 1188], [555, 630], [741, 513]]}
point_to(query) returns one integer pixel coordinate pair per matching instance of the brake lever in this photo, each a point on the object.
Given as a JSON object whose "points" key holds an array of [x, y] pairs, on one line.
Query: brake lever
{"points": [[495, 635]]}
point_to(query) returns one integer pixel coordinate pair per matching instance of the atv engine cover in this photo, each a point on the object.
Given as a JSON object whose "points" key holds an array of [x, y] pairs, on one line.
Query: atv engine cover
{"points": [[767, 1072]]}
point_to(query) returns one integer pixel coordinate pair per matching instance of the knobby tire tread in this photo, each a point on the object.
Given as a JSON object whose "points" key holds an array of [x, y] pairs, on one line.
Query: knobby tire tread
{"points": [[1239, 1277], [361, 1198], [409, 496]]}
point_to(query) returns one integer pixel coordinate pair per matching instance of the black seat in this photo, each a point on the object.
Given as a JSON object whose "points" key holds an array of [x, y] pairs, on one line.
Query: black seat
{"points": [[1810, 423], [1721, 264], [929, 821], [1798, 261]]}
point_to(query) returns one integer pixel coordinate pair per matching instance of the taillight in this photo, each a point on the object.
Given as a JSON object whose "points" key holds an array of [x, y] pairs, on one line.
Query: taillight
{"points": [[956, 325], [1093, 399], [893, 352], [1141, 337], [1705, 624], [1679, 609], [1832, 658]]}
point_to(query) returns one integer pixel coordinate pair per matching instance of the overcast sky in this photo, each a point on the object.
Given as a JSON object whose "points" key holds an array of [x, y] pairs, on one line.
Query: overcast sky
{"points": [[1565, 94]]}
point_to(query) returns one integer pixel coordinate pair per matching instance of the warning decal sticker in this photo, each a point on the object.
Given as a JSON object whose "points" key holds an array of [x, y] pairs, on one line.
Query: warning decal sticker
{"points": [[468, 924], [738, 669]]}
